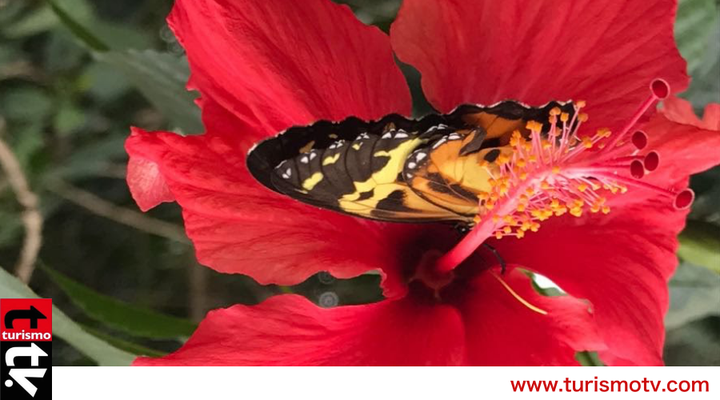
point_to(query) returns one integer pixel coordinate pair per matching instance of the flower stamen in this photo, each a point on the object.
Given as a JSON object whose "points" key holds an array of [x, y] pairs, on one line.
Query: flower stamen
{"points": [[553, 171], [659, 90]]}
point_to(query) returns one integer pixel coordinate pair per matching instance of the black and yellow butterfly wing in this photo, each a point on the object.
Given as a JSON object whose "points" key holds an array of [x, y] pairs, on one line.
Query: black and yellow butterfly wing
{"points": [[352, 166], [394, 169]]}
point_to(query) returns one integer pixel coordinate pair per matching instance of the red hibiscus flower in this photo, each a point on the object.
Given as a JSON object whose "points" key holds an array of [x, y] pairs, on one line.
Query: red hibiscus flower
{"points": [[262, 66]]}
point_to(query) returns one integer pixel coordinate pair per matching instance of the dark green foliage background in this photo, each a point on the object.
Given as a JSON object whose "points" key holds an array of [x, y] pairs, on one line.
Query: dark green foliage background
{"points": [[75, 74]]}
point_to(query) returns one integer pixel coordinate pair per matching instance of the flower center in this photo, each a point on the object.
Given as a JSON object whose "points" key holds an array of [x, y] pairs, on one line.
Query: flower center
{"points": [[431, 285], [558, 171], [427, 280]]}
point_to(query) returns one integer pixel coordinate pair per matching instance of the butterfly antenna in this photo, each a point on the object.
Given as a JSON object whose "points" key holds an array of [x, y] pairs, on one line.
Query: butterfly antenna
{"points": [[503, 265]]}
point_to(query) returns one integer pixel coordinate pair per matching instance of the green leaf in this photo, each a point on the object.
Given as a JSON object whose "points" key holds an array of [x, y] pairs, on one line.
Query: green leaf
{"points": [[103, 83], [380, 13], [697, 343], [543, 285], [11, 228], [61, 54], [11, 12], [37, 21], [41, 19], [700, 245], [131, 347], [134, 320], [161, 78], [693, 25], [91, 346], [359, 290], [694, 294], [27, 141], [10, 55], [88, 161], [705, 85], [589, 359], [120, 36], [79, 31], [68, 118], [26, 103]]}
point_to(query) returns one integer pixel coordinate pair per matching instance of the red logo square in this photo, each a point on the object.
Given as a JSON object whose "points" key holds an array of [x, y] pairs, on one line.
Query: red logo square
{"points": [[26, 320]]}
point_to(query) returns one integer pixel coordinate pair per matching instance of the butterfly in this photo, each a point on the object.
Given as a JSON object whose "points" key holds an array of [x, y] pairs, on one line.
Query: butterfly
{"points": [[432, 169]]}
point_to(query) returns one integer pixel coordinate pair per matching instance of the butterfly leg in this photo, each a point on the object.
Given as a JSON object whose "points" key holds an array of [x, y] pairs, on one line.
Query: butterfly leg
{"points": [[503, 265]]}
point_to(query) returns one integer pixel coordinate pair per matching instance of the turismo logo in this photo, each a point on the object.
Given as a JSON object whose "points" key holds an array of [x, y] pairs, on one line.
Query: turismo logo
{"points": [[26, 348]]}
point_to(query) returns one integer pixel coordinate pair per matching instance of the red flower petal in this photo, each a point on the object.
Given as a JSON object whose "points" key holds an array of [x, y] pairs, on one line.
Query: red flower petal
{"points": [[620, 262], [681, 111], [684, 148], [502, 331], [711, 117], [238, 226], [485, 51], [289, 330], [147, 185], [275, 64]]}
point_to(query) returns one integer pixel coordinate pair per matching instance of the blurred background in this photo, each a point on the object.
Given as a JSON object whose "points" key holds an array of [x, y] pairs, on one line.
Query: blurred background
{"points": [[75, 74]]}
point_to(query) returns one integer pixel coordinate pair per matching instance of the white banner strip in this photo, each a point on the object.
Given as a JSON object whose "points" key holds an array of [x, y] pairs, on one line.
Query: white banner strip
{"points": [[363, 383]]}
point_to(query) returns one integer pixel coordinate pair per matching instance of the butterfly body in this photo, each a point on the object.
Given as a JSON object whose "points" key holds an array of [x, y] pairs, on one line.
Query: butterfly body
{"points": [[396, 169]]}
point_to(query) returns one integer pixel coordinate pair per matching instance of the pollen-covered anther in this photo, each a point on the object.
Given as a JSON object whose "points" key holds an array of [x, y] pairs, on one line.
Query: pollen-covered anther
{"points": [[603, 133], [534, 126], [516, 139], [502, 159], [526, 225]]}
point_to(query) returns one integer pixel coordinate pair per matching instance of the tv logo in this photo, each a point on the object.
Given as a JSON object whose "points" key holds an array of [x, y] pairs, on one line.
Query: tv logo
{"points": [[26, 348]]}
